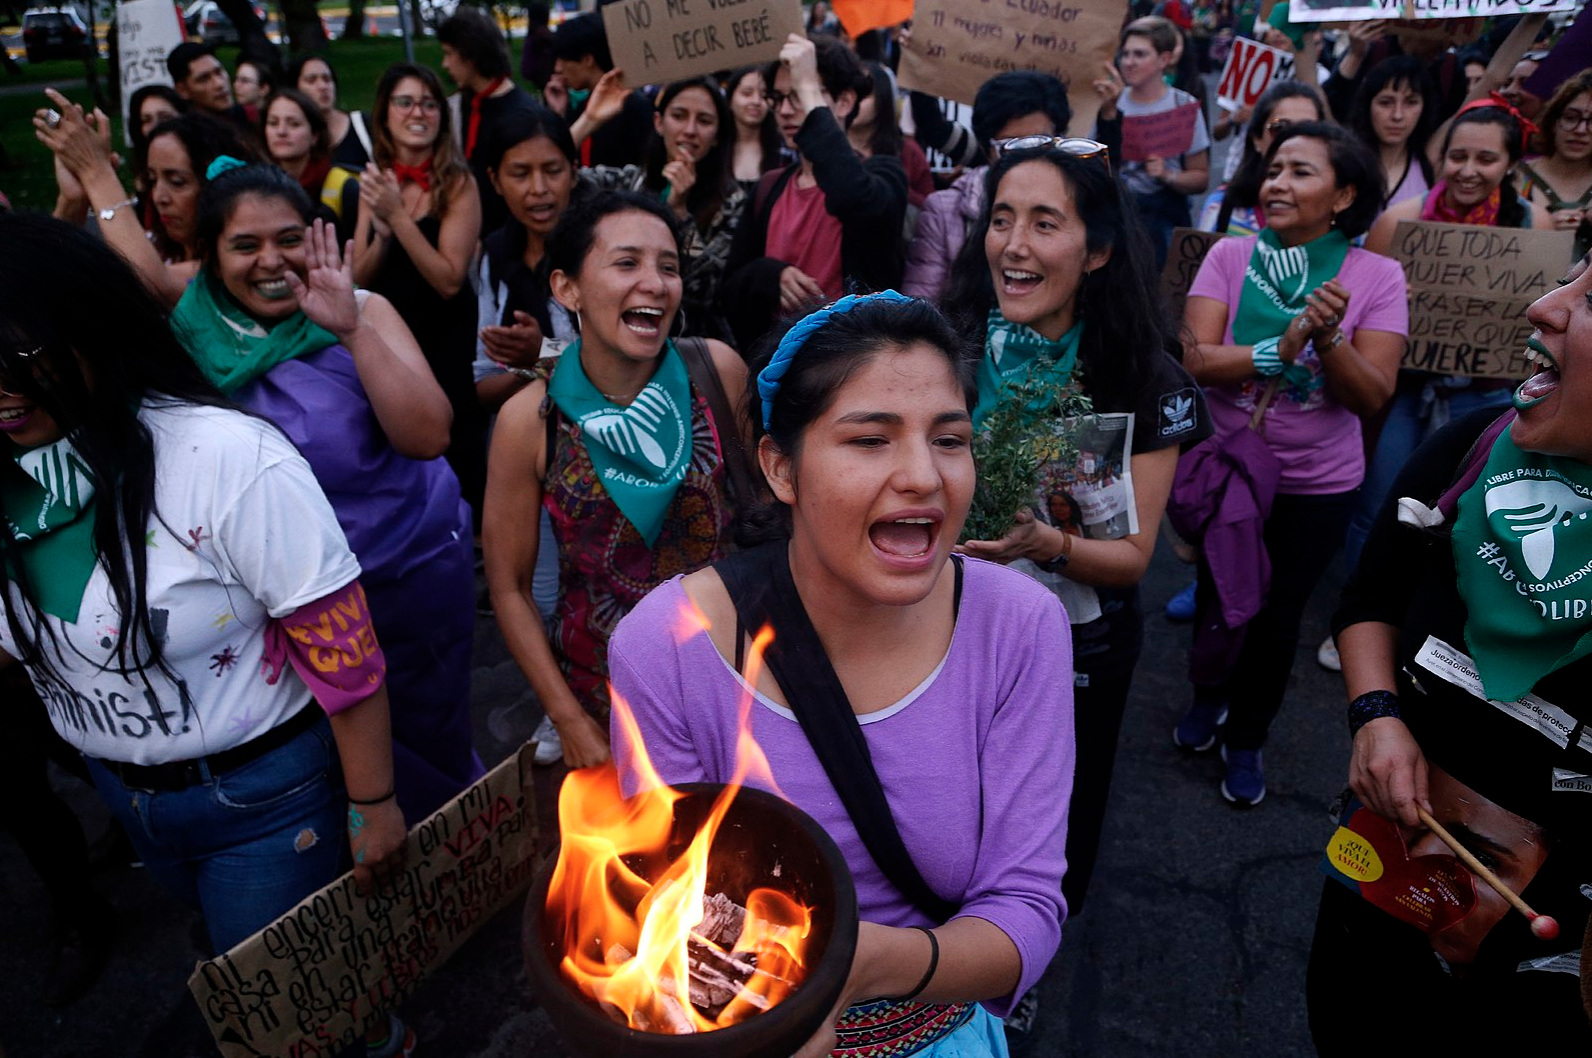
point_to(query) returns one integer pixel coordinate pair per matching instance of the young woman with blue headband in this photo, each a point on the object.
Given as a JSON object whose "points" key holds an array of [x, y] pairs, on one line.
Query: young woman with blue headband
{"points": [[944, 666]]}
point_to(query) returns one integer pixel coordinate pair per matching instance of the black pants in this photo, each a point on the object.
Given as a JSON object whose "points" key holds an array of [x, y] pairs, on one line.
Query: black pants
{"points": [[45, 828], [1302, 537], [1097, 721]]}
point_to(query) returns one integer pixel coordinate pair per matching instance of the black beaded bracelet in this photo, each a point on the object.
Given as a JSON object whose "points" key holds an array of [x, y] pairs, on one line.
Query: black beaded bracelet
{"points": [[934, 963], [1372, 705]]}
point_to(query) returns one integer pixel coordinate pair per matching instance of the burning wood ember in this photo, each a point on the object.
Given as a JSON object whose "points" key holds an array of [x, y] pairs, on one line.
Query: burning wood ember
{"points": [[717, 973]]}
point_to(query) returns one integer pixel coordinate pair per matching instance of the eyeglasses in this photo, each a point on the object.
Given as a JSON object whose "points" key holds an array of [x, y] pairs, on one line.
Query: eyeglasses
{"points": [[6, 383], [775, 100], [1074, 145], [1571, 120], [425, 103]]}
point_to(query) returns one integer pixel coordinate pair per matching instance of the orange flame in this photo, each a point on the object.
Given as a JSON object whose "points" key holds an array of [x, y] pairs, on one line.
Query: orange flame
{"points": [[630, 912]]}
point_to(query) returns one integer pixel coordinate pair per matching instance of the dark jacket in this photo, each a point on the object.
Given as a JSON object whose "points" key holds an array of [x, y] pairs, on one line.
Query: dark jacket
{"points": [[868, 197]]}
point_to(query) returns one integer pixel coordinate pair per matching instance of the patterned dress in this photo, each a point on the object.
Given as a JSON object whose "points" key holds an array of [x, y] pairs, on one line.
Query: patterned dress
{"points": [[604, 566]]}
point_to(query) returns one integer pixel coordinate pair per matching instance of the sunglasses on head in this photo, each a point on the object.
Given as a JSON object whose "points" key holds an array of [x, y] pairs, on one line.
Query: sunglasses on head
{"points": [[1073, 145]]}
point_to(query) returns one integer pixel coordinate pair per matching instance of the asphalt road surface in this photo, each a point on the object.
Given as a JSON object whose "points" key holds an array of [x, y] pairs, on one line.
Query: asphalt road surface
{"points": [[1194, 942]]}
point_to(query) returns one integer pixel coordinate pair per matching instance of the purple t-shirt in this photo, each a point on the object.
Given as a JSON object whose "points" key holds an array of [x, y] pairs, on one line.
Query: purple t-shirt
{"points": [[976, 762], [1317, 441]]}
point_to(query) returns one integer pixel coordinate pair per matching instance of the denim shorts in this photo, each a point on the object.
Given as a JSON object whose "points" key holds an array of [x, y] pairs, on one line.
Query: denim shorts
{"points": [[246, 845]]}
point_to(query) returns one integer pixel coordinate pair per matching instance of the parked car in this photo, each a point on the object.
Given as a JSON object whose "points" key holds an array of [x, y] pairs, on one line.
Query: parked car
{"points": [[209, 23], [50, 33]]}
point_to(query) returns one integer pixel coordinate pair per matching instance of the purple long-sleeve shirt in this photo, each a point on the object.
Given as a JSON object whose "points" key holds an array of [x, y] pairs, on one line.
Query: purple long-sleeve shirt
{"points": [[976, 762]]}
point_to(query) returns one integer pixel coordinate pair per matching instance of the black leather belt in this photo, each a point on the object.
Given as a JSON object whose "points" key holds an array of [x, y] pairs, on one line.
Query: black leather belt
{"points": [[181, 774]]}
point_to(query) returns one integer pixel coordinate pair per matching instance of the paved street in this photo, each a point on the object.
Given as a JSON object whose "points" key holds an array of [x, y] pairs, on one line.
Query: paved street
{"points": [[1194, 943]]}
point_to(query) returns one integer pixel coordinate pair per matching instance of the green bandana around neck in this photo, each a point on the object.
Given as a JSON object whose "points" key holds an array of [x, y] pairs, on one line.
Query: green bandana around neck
{"points": [[229, 345], [1522, 545], [1012, 351], [1278, 279], [640, 450], [48, 498]]}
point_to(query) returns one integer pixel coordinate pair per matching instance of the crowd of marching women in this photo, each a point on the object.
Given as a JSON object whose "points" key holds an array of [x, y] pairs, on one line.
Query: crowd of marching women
{"points": [[792, 345]]}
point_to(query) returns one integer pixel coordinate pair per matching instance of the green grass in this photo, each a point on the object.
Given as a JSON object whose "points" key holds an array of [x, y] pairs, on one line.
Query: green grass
{"points": [[30, 180]]}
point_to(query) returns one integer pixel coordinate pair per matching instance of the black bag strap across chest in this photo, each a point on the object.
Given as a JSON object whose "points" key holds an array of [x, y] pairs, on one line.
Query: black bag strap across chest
{"points": [[760, 585]]}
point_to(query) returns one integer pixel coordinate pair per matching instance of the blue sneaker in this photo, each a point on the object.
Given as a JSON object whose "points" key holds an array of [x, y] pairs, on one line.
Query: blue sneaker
{"points": [[1245, 784], [1181, 606], [1197, 730]]}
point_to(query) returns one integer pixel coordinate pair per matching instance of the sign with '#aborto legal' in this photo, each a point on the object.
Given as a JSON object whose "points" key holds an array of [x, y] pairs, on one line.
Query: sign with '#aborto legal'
{"points": [[1365, 10], [1469, 288], [656, 41], [957, 45], [1251, 68], [146, 31], [312, 981]]}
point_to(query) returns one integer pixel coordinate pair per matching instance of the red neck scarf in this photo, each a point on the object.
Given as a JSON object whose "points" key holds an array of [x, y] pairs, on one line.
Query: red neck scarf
{"points": [[414, 174], [1484, 213], [474, 128], [314, 176]]}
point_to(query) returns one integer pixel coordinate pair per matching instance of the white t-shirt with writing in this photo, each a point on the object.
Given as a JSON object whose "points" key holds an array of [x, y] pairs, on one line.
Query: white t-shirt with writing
{"points": [[242, 533]]}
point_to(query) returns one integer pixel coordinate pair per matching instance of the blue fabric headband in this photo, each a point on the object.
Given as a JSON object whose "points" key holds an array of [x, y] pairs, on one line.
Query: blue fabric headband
{"points": [[769, 378], [222, 164]]}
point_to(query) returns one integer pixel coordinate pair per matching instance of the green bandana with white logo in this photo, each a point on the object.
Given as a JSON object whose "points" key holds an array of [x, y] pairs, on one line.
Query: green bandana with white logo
{"points": [[1523, 554], [48, 497], [1012, 351], [640, 450]]}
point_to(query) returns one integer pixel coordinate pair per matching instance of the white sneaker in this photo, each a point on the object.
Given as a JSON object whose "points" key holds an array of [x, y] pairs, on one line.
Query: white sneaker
{"points": [[1327, 656], [549, 747]]}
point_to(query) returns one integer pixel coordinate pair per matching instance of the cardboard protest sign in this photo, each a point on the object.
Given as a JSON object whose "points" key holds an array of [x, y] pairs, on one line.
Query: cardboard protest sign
{"points": [[146, 32], [1164, 135], [1251, 68], [957, 45], [1350, 11], [1449, 32], [1469, 288], [1183, 260], [656, 41], [310, 983]]}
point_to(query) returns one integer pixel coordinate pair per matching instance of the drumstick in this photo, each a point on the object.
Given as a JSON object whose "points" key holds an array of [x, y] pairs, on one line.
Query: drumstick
{"points": [[1543, 927]]}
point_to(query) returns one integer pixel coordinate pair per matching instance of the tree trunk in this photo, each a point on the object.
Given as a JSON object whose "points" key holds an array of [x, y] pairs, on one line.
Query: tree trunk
{"points": [[354, 28], [253, 44], [302, 24]]}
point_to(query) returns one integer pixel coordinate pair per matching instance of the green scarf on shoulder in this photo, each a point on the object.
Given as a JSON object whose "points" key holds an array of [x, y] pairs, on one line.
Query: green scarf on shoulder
{"points": [[47, 494], [1522, 545], [640, 450], [231, 347], [1012, 351]]}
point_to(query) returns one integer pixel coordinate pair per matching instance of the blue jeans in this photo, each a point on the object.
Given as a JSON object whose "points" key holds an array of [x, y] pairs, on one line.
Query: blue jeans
{"points": [[245, 846], [1406, 427]]}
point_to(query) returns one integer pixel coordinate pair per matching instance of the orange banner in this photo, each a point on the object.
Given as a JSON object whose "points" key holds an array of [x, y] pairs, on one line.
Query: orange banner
{"points": [[859, 16]]}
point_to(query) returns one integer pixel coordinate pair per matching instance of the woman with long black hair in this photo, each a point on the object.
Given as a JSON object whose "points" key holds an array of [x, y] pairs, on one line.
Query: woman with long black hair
{"points": [[165, 630], [1395, 112], [1059, 286]]}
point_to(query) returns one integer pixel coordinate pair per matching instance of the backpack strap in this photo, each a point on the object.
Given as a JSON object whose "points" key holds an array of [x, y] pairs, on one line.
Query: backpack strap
{"points": [[361, 133], [705, 379], [760, 585], [769, 187]]}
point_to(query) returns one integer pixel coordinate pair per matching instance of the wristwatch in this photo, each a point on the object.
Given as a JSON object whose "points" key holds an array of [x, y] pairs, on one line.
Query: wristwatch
{"points": [[1336, 340], [109, 212]]}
